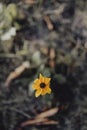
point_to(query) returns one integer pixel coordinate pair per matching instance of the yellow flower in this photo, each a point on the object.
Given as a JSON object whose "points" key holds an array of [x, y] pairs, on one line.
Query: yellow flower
{"points": [[42, 86]]}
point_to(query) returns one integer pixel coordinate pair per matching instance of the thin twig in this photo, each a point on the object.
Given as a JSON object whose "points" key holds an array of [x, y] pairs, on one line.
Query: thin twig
{"points": [[55, 11], [9, 55], [20, 112]]}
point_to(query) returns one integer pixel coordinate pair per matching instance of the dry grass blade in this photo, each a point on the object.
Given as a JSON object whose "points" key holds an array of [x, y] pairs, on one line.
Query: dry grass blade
{"points": [[17, 72], [52, 54], [48, 22], [41, 119], [34, 121], [49, 122], [47, 113]]}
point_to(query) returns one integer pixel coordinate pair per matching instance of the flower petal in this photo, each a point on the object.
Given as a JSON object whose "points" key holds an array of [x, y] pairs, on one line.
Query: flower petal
{"points": [[47, 80], [43, 92], [48, 89], [35, 86], [38, 92], [36, 81], [41, 78]]}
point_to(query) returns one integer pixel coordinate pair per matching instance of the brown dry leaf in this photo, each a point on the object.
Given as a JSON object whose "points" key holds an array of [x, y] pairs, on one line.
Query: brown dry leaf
{"points": [[41, 119], [30, 1], [52, 54], [17, 72], [52, 63], [48, 22], [34, 121], [47, 113], [49, 122]]}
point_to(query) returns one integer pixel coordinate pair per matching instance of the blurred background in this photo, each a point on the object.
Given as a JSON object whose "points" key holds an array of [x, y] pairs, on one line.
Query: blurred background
{"points": [[48, 37]]}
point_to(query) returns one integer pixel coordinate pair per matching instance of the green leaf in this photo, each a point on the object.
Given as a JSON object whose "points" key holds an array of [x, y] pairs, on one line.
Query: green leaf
{"points": [[36, 58], [60, 78]]}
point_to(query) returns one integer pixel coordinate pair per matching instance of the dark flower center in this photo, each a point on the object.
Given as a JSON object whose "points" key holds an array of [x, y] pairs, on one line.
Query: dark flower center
{"points": [[42, 85]]}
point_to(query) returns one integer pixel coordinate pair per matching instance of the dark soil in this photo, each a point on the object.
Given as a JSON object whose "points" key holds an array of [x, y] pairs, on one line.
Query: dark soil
{"points": [[51, 37]]}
